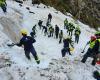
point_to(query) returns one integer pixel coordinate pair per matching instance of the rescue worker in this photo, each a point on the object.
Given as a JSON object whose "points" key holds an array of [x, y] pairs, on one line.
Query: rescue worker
{"points": [[27, 42], [56, 31], [71, 27], [90, 52], [40, 23], [77, 34], [66, 24], [49, 17], [60, 36], [51, 31], [96, 49], [33, 33], [45, 30], [66, 48]]}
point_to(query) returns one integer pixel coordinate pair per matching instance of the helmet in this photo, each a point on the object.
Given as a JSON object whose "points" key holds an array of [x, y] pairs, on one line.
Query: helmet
{"points": [[24, 31], [93, 37]]}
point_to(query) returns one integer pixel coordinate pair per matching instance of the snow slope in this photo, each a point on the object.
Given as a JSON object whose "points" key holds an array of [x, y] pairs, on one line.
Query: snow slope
{"points": [[47, 49]]}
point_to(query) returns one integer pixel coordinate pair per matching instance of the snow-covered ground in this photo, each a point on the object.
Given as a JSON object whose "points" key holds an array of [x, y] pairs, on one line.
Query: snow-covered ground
{"points": [[69, 68]]}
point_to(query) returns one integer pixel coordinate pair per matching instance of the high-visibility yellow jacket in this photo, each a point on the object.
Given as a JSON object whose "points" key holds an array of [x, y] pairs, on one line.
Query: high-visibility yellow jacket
{"points": [[91, 44], [2, 2]]}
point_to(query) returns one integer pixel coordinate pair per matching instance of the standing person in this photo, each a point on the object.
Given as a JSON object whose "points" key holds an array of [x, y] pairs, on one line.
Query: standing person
{"points": [[45, 30], [40, 23], [51, 31], [56, 31], [27, 42], [70, 29], [66, 48], [49, 17], [90, 52], [33, 33], [3, 5], [66, 24], [47, 23], [60, 36], [96, 49], [77, 34]]}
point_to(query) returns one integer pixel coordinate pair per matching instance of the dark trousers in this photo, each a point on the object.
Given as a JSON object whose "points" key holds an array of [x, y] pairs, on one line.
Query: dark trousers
{"points": [[56, 34], [89, 54], [64, 50], [49, 20], [32, 50], [76, 38], [60, 40], [4, 8]]}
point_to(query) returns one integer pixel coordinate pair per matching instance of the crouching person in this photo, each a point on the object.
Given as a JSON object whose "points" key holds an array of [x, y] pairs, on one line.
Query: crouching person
{"points": [[66, 48]]}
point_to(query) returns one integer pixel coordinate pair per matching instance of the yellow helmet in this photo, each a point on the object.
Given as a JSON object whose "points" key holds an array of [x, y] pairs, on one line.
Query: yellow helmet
{"points": [[23, 31]]}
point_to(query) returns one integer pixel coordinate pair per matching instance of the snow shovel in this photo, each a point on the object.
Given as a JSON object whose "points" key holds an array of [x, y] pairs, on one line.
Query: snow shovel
{"points": [[11, 45], [84, 49]]}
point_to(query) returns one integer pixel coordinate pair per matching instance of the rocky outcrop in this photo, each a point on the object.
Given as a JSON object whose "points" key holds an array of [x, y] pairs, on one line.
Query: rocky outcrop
{"points": [[12, 25]]}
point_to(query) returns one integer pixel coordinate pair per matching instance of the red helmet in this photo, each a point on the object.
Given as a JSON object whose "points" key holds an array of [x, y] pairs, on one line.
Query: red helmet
{"points": [[93, 37]]}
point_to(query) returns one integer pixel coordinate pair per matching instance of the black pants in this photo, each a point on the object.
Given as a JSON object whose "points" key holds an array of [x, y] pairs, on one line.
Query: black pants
{"points": [[4, 8], [49, 20], [64, 50], [56, 34], [32, 50], [89, 54], [76, 38]]}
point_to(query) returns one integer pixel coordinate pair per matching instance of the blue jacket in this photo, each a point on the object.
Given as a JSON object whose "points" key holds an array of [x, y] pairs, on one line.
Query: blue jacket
{"points": [[66, 43], [27, 41]]}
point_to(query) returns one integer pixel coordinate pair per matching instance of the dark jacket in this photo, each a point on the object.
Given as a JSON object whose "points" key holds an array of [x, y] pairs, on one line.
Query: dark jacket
{"points": [[96, 47], [49, 16], [27, 41], [66, 43], [56, 29]]}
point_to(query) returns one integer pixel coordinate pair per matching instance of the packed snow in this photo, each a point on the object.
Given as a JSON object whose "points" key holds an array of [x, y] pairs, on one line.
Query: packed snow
{"points": [[15, 66]]}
